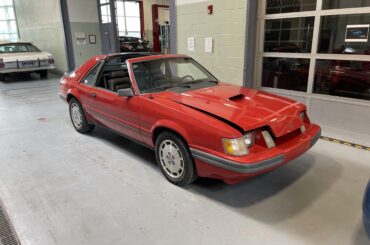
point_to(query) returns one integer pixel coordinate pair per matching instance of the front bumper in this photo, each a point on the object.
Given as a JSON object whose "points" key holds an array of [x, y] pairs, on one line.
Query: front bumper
{"points": [[235, 166], [28, 69], [235, 169]]}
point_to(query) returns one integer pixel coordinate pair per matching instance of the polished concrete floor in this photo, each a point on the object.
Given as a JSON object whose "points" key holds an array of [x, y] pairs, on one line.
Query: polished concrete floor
{"points": [[60, 187]]}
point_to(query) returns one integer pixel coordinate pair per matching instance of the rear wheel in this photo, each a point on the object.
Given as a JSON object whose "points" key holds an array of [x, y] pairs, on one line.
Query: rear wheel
{"points": [[43, 74], [78, 117], [174, 159]]}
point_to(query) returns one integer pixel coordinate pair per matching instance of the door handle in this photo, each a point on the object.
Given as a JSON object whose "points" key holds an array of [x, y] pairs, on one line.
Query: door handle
{"points": [[93, 95]]}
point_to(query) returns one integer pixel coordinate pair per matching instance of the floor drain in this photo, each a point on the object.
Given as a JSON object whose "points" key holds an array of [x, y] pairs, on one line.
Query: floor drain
{"points": [[7, 234]]}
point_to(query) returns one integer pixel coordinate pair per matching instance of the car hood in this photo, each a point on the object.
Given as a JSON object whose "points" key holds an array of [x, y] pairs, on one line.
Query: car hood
{"points": [[10, 57], [249, 109]]}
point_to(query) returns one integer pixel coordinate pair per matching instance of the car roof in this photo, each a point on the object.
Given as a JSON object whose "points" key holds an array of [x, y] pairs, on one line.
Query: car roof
{"points": [[157, 57], [2, 42], [141, 56]]}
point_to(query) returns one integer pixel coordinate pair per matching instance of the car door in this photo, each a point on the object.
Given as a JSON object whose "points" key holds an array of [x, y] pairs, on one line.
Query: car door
{"points": [[115, 112], [85, 86]]}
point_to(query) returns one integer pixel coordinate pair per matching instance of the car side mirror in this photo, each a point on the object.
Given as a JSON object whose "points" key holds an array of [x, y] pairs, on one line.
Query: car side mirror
{"points": [[126, 92]]}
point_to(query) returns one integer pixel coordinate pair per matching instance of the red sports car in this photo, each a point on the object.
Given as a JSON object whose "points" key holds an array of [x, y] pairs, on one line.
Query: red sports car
{"points": [[197, 125]]}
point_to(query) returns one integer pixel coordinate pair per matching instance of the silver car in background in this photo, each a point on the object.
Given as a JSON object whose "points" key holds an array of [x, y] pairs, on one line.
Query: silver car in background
{"points": [[24, 57]]}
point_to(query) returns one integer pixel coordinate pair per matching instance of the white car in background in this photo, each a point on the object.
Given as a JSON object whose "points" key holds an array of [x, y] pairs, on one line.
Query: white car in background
{"points": [[24, 57]]}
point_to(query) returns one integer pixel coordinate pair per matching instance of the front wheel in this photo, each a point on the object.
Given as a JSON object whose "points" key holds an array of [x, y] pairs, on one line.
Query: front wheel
{"points": [[78, 117], [174, 159]]}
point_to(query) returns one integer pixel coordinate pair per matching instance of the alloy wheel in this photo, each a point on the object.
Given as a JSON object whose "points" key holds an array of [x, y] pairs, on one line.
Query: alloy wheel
{"points": [[171, 159]]}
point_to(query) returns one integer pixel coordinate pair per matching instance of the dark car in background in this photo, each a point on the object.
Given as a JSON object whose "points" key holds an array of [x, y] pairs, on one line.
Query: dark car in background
{"points": [[134, 44], [366, 210]]}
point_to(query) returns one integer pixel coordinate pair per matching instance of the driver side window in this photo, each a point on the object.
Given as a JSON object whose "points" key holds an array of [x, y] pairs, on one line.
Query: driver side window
{"points": [[90, 79]]}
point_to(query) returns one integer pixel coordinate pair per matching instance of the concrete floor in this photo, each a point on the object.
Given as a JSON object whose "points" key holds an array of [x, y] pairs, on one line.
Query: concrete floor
{"points": [[60, 187]]}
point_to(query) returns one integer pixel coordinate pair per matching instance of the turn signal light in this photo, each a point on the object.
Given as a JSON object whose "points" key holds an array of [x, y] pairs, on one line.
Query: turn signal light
{"points": [[238, 147]]}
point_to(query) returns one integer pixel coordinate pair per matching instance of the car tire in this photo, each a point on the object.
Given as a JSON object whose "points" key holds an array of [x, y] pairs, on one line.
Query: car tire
{"points": [[78, 117], [2, 77], [174, 159], [43, 74]]}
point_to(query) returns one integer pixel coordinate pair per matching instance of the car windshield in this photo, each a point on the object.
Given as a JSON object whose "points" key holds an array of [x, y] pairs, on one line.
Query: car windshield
{"points": [[129, 39], [18, 48], [162, 74]]}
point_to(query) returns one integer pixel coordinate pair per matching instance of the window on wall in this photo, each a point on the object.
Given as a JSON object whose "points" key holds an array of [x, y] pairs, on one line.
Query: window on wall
{"points": [[340, 4], [128, 18], [105, 14], [285, 73], [320, 52], [345, 78], [345, 34], [286, 6], [293, 35], [8, 23]]}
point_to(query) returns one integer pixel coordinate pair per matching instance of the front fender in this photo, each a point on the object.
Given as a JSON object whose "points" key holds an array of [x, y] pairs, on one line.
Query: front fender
{"points": [[174, 126], [72, 92]]}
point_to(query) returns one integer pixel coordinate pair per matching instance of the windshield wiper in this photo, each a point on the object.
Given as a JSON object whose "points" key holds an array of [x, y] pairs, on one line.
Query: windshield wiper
{"points": [[202, 81], [166, 87]]}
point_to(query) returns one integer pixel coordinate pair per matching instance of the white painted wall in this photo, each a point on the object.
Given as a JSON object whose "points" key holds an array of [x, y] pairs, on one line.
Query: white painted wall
{"points": [[184, 2], [40, 22], [83, 11]]}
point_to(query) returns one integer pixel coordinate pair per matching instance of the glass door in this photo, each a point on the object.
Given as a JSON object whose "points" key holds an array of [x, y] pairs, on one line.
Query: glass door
{"points": [[315, 48]]}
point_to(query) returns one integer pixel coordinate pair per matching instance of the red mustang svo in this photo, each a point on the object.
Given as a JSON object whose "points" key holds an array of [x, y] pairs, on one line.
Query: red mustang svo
{"points": [[197, 125]]}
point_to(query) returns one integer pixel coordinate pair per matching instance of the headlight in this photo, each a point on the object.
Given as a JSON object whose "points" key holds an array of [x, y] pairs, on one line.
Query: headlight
{"points": [[238, 147]]}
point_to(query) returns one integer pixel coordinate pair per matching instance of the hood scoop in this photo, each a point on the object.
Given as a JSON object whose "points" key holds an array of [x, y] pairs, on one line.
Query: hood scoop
{"points": [[237, 97]]}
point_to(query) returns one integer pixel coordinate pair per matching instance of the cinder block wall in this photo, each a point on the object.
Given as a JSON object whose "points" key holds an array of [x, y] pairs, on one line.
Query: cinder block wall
{"points": [[84, 17], [226, 26]]}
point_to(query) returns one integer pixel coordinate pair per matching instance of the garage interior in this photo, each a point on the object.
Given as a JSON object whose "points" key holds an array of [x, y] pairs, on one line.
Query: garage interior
{"points": [[60, 187]]}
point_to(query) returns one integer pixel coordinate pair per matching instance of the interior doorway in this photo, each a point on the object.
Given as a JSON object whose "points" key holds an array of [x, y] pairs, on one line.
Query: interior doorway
{"points": [[161, 27], [134, 25]]}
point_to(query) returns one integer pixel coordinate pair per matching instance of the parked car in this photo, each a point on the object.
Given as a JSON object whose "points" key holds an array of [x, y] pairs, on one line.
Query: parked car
{"points": [[197, 125], [24, 57], [366, 210], [134, 44]]}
